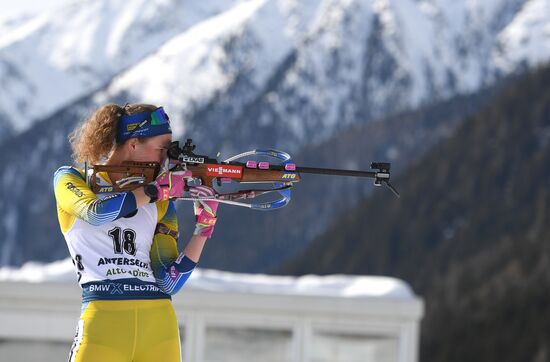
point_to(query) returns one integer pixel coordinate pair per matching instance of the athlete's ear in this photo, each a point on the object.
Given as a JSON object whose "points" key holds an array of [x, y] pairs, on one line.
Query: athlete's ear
{"points": [[132, 144]]}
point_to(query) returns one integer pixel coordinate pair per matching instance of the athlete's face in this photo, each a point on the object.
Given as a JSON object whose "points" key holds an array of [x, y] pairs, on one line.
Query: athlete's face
{"points": [[151, 149]]}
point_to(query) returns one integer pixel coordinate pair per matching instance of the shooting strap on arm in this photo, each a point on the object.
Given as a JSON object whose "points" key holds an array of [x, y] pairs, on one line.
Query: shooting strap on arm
{"points": [[163, 229]]}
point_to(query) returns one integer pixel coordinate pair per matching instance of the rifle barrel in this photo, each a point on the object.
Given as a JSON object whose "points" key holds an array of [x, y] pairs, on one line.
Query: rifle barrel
{"points": [[321, 171], [330, 171]]}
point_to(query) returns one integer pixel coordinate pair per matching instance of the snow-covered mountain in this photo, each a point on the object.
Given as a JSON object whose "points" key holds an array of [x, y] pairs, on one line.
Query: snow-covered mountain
{"points": [[235, 75], [524, 42], [297, 73], [246, 43], [382, 55], [50, 60]]}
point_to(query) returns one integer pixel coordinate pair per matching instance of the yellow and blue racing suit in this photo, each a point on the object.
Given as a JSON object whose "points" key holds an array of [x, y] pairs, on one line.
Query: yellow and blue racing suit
{"points": [[128, 266]]}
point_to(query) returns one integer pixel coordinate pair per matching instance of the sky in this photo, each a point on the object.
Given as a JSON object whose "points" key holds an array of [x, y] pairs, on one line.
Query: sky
{"points": [[9, 8]]}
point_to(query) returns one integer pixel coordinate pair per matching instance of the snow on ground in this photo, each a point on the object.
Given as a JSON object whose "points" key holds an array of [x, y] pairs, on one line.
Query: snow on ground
{"points": [[347, 286]]}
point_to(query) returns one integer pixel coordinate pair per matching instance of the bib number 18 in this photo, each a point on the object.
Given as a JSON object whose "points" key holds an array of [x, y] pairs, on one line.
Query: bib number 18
{"points": [[123, 240]]}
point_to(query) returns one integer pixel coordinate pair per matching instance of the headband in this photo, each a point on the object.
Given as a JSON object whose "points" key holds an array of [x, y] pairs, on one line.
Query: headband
{"points": [[145, 124]]}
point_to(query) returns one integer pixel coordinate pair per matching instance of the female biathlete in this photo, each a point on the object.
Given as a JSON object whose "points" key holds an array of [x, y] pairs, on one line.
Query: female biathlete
{"points": [[123, 244]]}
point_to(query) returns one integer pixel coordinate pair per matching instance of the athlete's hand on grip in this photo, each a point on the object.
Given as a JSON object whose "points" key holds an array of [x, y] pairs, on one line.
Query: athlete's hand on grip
{"points": [[205, 210], [169, 184]]}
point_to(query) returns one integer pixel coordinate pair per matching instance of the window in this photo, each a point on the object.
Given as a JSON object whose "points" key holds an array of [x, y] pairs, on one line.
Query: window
{"points": [[233, 344], [340, 347], [30, 350]]}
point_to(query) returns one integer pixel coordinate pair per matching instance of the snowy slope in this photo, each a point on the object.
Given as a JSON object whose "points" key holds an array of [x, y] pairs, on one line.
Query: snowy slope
{"points": [[248, 41], [409, 51], [387, 56], [52, 59], [349, 61], [526, 40]]}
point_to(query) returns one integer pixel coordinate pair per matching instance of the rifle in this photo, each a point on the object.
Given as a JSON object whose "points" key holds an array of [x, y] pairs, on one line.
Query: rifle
{"points": [[263, 177], [277, 177]]}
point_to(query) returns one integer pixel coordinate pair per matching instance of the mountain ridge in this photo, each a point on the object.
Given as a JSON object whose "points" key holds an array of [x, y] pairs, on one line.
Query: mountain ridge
{"points": [[286, 74]]}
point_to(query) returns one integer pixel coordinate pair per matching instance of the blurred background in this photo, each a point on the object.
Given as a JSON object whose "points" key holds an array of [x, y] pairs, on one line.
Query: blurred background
{"points": [[454, 93]]}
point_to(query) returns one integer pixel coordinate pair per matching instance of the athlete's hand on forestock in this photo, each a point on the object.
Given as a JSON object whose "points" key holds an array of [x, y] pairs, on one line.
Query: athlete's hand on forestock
{"points": [[171, 184], [205, 210]]}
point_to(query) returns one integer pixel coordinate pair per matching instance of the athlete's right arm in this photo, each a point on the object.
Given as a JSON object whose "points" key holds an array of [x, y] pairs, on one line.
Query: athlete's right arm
{"points": [[75, 197]]}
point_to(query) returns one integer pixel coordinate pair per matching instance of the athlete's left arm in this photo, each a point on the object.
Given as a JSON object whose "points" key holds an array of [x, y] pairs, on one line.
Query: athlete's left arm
{"points": [[170, 269]]}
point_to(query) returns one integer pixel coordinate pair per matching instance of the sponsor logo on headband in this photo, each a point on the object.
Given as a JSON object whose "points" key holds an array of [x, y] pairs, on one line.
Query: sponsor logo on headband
{"points": [[131, 126]]}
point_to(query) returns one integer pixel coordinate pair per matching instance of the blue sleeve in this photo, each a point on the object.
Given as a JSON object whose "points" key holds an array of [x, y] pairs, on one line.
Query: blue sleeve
{"points": [[171, 278]]}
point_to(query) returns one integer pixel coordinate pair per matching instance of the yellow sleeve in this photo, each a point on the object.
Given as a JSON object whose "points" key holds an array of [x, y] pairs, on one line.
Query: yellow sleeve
{"points": [[75, 199], [164, 249]]}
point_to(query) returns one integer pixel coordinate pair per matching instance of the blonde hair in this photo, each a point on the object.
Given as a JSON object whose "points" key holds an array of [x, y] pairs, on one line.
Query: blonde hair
{"points": [[95, 139]]}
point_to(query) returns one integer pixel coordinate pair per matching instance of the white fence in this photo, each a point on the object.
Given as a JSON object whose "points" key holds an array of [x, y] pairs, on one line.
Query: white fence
{"points": [[38, 321]]}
